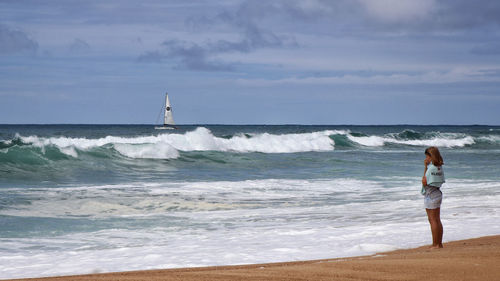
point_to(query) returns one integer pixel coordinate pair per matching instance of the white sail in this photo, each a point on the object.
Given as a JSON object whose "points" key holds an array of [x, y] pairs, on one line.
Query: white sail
{"points": [[169, 118]]}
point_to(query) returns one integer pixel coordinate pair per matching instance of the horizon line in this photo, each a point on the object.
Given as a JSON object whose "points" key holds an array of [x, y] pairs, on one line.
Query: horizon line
{"points": [[223, 124]]}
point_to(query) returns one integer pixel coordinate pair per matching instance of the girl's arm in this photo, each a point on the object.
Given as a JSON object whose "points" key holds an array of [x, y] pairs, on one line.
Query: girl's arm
{"points": [[424, 179]]}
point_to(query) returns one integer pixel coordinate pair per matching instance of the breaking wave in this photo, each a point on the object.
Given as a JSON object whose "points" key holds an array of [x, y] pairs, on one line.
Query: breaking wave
{"points": [[412, 138], [35, 149], [167, 146]]}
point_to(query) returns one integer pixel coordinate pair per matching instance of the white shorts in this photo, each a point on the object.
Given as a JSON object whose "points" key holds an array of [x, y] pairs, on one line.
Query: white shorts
{"points": [[433, 197]]}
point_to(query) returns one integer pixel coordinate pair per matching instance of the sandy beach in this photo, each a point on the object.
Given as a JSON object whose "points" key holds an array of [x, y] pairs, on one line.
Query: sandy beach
{"points": [[473, 259]]}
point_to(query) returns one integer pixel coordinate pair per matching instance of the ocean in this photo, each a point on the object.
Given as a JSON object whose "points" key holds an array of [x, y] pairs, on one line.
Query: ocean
{"points": [[78, 199]]}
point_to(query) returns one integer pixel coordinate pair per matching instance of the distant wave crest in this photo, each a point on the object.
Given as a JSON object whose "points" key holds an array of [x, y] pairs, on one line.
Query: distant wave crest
{"points": [[167, 146], [440, 140]]}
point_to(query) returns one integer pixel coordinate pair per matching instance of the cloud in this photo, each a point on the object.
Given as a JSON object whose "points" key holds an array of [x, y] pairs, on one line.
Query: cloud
{"points": [[394, 11], [456, 75], [151, 57], [486, 49], [464, 14], [193, 56], [15, 41], [430, 16], [269, 24], [79, 46], [369, 17], [187, 55], [199, 56]]}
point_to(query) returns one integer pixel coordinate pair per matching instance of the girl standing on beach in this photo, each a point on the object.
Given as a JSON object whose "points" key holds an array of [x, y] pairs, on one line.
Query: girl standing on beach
{"points": [[431, 182]]}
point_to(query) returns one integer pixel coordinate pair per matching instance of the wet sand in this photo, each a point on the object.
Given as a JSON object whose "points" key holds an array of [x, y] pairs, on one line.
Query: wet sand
{"points": [[474, 259]]}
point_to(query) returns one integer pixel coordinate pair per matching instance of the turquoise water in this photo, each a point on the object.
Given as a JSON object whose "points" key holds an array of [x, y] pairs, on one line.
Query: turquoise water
{"points": [[121, 197]]}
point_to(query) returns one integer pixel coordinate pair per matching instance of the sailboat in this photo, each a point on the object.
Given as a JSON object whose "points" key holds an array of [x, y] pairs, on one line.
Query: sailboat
{"points": [[168, 119]]}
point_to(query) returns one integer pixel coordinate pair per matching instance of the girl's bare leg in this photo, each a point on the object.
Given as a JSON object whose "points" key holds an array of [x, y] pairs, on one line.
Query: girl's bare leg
{"points": [[434, 216]]}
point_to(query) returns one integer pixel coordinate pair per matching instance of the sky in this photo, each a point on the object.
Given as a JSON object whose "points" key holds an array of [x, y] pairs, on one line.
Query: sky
{"points": [[360, 62]]}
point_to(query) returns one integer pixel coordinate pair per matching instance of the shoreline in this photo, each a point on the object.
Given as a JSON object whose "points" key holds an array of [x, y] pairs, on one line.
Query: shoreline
{"points": [[471, 259]]}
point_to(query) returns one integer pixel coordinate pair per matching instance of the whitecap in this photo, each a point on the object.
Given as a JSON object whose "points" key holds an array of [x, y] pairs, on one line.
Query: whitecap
{"points": [[440, 141], [167, 146]]}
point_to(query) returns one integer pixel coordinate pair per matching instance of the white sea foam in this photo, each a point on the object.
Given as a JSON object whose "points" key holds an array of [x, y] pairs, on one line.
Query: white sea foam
{"points": [[437, 141], [379, 220], [166, 146], [268, 220], [159, 150], [108, 201], [491, 138]]}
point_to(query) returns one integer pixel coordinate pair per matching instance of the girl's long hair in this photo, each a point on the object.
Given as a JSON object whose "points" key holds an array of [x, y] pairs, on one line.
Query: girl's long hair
{"points": [[433, 152]]}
